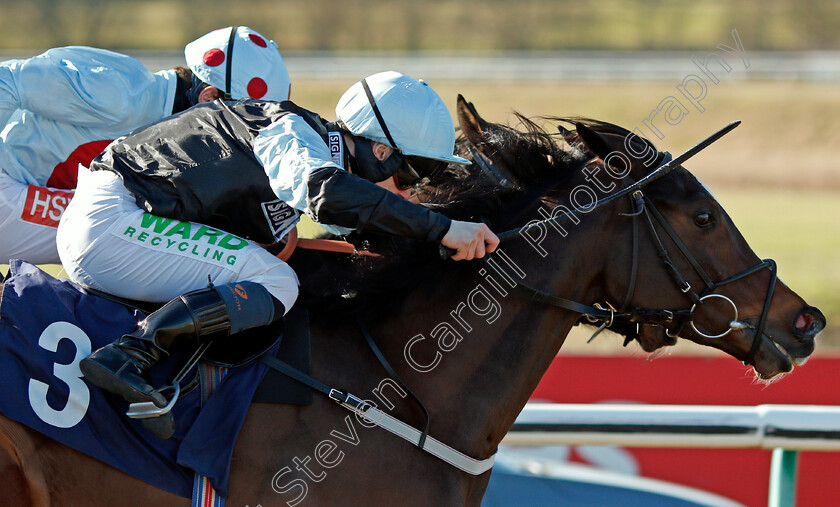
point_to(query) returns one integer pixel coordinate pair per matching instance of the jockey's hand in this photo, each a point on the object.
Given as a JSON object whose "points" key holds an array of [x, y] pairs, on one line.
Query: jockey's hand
{"points": [[471, 240]]}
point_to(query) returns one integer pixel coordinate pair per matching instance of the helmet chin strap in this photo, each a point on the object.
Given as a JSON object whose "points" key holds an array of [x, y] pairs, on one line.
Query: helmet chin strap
{"points": [[197, 85], [365, 164]]}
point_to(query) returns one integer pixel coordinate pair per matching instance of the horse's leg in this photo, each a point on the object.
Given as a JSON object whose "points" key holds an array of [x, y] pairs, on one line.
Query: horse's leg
{"points": [[20, 472]]}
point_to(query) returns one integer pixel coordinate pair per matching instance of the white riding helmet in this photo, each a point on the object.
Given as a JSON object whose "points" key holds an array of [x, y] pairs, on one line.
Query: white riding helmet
{"points": [[255, 70], [415, 116]]}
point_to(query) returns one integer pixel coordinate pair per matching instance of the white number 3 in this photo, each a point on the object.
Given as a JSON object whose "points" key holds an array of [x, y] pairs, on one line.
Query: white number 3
{"points": [[70, 374]]}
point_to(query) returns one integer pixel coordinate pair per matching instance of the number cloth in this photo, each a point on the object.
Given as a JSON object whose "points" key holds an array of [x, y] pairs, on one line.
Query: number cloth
{"points": [[46, 327]]}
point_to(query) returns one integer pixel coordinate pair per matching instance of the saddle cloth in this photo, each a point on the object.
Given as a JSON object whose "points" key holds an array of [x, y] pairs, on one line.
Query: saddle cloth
{"points": [[47, 326]]}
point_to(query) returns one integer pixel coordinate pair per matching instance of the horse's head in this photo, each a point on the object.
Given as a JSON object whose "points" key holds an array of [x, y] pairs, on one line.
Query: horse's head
{"points": [[691, 271]]}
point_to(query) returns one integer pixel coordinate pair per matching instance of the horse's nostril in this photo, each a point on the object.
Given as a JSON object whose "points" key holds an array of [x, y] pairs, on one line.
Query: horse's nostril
{"points": [[804, 321], [809, 322]]}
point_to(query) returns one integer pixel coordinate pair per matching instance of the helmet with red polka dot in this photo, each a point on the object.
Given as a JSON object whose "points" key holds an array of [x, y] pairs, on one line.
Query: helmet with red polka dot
{"points": [[240, 62]]}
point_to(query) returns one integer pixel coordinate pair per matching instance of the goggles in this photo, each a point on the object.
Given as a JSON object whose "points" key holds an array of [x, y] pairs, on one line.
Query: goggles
{"points": [[414, 169]]}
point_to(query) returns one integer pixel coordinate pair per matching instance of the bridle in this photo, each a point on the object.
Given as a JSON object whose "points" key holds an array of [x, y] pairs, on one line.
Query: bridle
{"points": [[643, 207]]}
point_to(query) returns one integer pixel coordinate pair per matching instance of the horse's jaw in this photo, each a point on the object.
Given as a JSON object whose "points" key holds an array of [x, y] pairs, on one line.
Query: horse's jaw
{"points": [[652, 338], [774, 359], [771, 361], [781, 363]]}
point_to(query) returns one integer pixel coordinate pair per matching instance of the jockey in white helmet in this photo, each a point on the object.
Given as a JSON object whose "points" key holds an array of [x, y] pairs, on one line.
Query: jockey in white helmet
{"points": [[404, 114], [186, 200]]}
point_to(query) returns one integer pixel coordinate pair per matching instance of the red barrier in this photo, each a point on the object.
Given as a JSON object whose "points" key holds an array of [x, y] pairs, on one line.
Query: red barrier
{"points": [[739, 474]]}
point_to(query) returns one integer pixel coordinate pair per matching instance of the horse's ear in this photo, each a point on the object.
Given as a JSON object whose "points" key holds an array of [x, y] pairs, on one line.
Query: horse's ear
{"points": [[593, 140], [567, 134], [472, 125]]}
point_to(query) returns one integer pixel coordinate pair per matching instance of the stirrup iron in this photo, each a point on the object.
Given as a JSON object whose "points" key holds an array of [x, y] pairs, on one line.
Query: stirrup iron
{"points": [[148, 409]]}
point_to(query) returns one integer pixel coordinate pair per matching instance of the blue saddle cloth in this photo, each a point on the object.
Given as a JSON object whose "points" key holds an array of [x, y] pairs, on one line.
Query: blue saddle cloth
{"points": [[47, 326]]}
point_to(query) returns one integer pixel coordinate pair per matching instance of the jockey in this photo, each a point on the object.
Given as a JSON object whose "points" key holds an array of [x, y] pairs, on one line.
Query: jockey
{"points": [[61, 108], [166, 209]]}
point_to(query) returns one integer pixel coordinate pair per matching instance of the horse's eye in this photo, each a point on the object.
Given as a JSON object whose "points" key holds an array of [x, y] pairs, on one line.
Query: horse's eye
{"points": [[703, 219]]}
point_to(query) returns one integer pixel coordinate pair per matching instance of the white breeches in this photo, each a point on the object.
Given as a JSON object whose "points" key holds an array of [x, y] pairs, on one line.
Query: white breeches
{"points": [[108, 243], [29, 216]]}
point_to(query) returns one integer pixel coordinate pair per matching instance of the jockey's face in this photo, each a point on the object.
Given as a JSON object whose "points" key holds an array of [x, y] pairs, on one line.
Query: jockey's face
{"points": [[390, 185], [381, 152], [209, 94]]}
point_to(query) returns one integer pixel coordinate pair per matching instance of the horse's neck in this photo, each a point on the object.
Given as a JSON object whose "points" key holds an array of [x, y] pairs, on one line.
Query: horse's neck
{"points": [[474, 349], [470, 346]]}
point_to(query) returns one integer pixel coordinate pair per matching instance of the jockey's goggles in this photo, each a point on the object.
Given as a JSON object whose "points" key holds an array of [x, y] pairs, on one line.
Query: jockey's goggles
{"points": [[414, 169], [406, 176]]}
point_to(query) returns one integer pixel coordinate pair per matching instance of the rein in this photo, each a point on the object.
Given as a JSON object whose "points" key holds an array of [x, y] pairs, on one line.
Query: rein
{"points": [[323, 245], [666, 167], [644, 206], [332, 245]]}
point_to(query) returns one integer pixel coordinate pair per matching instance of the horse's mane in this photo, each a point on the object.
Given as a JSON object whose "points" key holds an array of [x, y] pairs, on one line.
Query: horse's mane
{"points": [[539, 161]]}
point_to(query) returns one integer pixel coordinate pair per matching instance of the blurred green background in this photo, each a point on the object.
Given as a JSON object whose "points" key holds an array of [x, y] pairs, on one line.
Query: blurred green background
{"points": [[426, 25], [778, 174]]}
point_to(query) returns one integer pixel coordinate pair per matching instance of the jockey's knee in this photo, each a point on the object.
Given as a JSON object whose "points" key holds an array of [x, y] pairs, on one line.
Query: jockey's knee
{"points": [[282, 283]]}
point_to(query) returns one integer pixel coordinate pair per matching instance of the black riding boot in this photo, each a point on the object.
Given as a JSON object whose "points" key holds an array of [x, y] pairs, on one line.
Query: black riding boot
{"points": [[122, 366], [185, 322]]}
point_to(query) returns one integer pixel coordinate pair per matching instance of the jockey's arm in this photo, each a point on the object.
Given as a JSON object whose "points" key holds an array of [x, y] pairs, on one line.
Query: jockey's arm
{"points": [[340, 198], [302, 174], [86, 87]]}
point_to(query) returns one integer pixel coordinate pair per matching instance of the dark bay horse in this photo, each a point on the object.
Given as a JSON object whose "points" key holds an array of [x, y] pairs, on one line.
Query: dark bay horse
{"points": [[465, 337]]}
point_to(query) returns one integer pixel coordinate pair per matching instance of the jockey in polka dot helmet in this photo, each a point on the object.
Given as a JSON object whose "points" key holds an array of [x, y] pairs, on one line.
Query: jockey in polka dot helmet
{"points": [[239, 62]]}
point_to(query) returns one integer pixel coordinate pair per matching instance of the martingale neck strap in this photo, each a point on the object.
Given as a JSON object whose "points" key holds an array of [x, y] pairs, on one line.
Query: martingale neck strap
{"points": [[385, 421], [394, 376]]}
